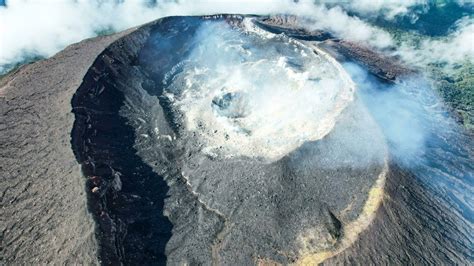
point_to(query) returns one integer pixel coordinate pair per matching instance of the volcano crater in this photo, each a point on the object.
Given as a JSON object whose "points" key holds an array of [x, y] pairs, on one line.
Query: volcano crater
{"points": [[200, 160]]}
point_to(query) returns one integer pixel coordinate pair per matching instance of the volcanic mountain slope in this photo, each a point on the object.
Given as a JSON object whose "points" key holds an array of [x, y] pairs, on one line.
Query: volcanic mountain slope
{"points": [[44, 213], [165, 182]]}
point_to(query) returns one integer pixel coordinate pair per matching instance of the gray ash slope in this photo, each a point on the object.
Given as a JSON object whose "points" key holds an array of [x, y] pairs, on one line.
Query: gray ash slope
{"points": [[44, 212], [161, 200]]}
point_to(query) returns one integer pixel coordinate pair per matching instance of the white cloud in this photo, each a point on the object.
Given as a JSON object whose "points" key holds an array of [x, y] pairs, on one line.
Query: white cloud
{"points": [[43, 27], [389, 8], [347, 27], [453, 49]]}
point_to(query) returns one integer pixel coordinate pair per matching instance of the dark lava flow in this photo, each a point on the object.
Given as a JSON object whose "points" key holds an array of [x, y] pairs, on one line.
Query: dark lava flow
{"points": [[129, 182], [128, 205]]}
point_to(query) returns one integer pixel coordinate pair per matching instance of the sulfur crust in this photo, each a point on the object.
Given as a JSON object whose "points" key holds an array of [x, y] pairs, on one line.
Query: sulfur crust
{"points": [[354, 228]]}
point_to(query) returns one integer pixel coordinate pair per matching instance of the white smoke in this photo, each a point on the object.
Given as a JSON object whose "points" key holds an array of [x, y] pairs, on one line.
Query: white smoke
{"points": [[257, 95], [401, 110]]}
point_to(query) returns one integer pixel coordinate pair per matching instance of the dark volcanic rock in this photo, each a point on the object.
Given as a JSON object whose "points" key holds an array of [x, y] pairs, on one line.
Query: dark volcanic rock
{"points": [[129, 208], [289, 25], [382, 67]]}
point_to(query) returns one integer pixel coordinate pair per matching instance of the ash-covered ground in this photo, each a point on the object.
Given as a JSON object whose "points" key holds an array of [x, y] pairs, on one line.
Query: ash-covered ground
{"points": [[246, 140]]}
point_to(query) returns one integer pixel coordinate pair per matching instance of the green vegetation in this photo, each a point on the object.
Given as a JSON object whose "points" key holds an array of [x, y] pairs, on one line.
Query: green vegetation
{"points": [[457, 90]]}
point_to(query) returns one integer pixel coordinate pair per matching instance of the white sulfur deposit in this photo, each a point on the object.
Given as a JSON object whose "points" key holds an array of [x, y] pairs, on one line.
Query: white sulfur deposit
{"points": [[245, 94]]}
